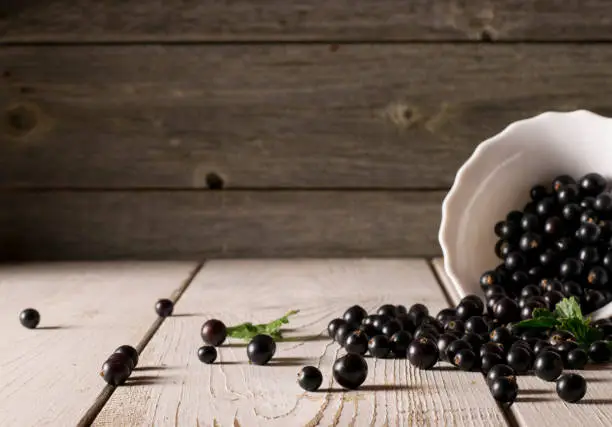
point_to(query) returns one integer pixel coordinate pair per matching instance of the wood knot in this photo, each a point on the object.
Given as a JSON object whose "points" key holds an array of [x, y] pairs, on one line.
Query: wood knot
{"points": [[19, 120]]}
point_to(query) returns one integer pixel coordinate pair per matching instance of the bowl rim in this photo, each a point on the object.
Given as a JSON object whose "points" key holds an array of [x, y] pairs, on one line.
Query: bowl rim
{"points": [[453, 199]]}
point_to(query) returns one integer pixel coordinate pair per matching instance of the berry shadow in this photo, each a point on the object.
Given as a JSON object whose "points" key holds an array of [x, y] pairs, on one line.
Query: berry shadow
{"points": [[536, 391], [305, 338], [369, 387], [154, 368], [530, 399], [444, 368], [229, 362], [187, 315], [596, 401], [598, 367], [54, 328], [288, 361], [234, 345]]}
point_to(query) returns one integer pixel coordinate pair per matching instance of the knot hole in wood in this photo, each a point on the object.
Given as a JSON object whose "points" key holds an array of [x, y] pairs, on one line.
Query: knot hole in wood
{"points": [[214, 181], [19, 120]]}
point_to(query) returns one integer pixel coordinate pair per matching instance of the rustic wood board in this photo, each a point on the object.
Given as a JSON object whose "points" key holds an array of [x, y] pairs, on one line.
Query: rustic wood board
{"points": [[183, 391], [192, 225], [50, 374], [275, 116], [537, 403], [289, 20]]}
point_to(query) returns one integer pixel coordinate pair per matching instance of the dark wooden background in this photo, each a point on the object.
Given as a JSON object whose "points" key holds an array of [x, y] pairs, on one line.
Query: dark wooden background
{"points": [[333, 127]]}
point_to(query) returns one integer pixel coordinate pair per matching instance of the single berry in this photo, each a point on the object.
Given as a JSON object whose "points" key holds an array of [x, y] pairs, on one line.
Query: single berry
{"points": [[391, 327], [417, 312], [456, 346], [379, 321], [368, 330], [401, 310], [593, 300], [571, 288], [571, 387], [443, 342], [515, 261], [571, 212], [455, 326], [567, 194], [561, 182], [501, 335], [387, 310], [423, 353], [399, 343], [506, 310], [350, 371], [577, 359], [492, 347], [570, 268], [129, 351], [520, 359], [504, 389], [552, 298], [530, 222], [116, 369], [553, 226], [214, 332], [546, 207], [164, 307], [530, 291], [354, 315], [475, 299], [445, 315], [342, 333], [514, 216], [588, 233], [499, 371], [477, 325], [548, 258], [207, 354], [466, 360], [518, 280], [406, 322], [597, 278], [261, 349], [599, 352], [489, 360], [603, 203], [528, 309], [468, 308], [538, 192], [310, 378], [592, 184], [356, 342], [548, 365], [540, 346], [589, 255], [474, 340], [29, 318], [332, 327], [587, 203], [379, 346]]}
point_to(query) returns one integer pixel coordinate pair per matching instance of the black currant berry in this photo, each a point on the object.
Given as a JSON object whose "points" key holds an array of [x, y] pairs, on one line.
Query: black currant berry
{"points": [[116, 369], [588, 233], [577, 359], [417, 312], [546, 207], [369, 330], [443, 342], [538, 192], [597, 278], [354, 315], [207, 354], [567, 194], [589, 216], [399, 343], [129, 351], [592, 184], [499, 371], [570, 268], [588, 255], [548, 365], [489, 360], [261, 349], [540, 346], [603, 203], [356, 342], [561, 182], [515, 261], [501, 335], [214, 332], [593, 300], [391, 327], [423, 353], [445, 315], [350, 371], [467, 308], [455, 346], [571, 387], [552, 298], [477, 325], [164, 307], [571, 212], [310, 378], [332, 327], [530, 222], [29, 318], [406, 322], [504, 389], [387, 310], [506, 310], [342, 333], [379, 321], [379, 346], [466, 360], [401, 310], [599, 352], [492, 347], [519, 359], [572, 288]]}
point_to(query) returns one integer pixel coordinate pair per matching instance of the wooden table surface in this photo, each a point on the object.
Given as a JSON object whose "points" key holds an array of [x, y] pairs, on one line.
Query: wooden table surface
{"points": [[50, 375]]}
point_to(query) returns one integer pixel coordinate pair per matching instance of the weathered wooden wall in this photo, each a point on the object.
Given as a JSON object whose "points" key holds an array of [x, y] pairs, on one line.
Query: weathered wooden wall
{"points": [[333, 127]]}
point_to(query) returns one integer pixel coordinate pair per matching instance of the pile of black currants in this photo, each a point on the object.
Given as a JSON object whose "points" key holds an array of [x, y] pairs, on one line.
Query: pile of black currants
{"points": [[559, 245]]}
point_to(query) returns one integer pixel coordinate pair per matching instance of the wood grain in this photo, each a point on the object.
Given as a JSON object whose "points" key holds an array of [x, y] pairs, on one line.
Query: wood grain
{"points": [[537, 402], [50, 374], [290, 20], [194, 225], [275, 116], [184, 391]]}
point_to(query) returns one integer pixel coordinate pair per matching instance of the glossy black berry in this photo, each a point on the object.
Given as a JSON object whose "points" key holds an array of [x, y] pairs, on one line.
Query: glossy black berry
{"points": [[406, 322], [577, 359], [401, 310], [564, 245], [399, 343], [501, 335], [593, 300], [445, 315], [477, 325], [129, 351], [498, 228], [519, 279], [504, 389], [552, 298], [506, 310], [606, 260], [417, 312], [553, 285], [379, 320], [423, 353], [494, 291], [558, 337], [466, 360], [571, 387], [592, 184], [455, 346], [571, 212], [538, 192], [387, 310], [571, 288], [561, 182], [603, 203], [528, 309], [553, 227], [356, 342], [391, 327], [310, 378], [443, 342], [510, 231], [588, 255], [567, 194], [350, 371], [540, 346], [548, 365], [207, 354], [474, 340], [332, 327], [466, 309], [599, 352], [489, 360], [520, 359], [116, 369], [530, 291], [570, 268], [530, 222], [379, 346], [587, 203], [342, 333], [455, 326], [29, 318], [354, 315], [474, 299], [546, 207], [164, 307], [489, 278], [589, 216], [214, 332], [261, 349], [369, 330], [597, 277], [515, 261], [492, 347], [588, 233], [499, 371]]}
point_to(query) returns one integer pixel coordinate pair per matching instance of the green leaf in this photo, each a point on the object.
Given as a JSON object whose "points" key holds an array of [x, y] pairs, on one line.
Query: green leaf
{"points": [[569, 308], [542, 313], [542, 323], [247, 330]]}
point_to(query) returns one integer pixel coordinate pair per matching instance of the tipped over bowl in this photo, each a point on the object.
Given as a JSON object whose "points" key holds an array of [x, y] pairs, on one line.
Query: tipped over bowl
{"points": [[498, 176]]}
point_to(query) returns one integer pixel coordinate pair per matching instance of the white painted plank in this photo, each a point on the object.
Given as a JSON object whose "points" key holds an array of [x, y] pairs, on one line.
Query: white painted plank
{"points": [[231, 393], [50, 374], [537, 403]]}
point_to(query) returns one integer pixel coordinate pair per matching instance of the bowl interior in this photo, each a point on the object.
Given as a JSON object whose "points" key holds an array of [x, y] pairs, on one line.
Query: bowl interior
{"points": [[499, 175]]}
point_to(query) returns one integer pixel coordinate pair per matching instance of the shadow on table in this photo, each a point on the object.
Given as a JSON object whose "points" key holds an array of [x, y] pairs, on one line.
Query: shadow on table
{"points": [[143, 380], [188, 315], [305, 338], [596, 401], [154, 368], [289, 361], [533, 399], [536, 391], [55, 328], [369, 387]]}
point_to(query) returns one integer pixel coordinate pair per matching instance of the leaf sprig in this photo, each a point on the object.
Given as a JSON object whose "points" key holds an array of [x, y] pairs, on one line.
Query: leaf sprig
{"points": [[568, 317], [248, 330]]}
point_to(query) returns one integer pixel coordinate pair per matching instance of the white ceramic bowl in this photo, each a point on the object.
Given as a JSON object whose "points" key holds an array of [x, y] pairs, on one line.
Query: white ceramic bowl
{"points": [[498, 176]]}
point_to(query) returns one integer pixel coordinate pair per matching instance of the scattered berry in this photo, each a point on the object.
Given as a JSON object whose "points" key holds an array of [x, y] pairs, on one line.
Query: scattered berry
{"points": [[214, 332], [207, 354], [504, 389], [356, 342], [548, 366], [350, 371], [129, 351], [310, 378], [423, 353], [29, 318], [261, 349], [571, 387], [379, 346], [164, 307]]}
